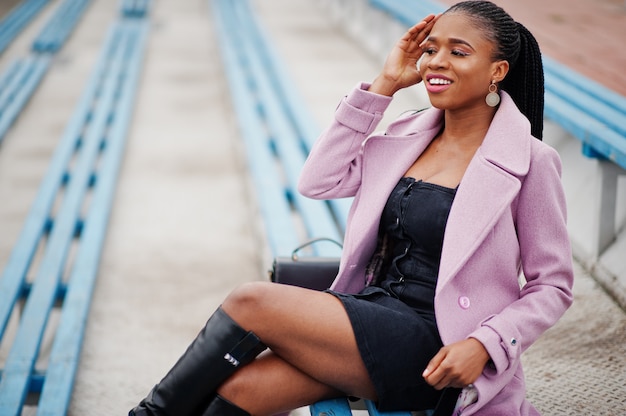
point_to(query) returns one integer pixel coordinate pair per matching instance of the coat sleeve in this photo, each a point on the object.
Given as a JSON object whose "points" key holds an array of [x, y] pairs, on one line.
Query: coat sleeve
{"points": [[332, 169], [546, 261]]}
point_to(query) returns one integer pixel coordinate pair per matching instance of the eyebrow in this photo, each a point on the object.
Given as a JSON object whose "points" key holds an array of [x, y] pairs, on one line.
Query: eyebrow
{"points": [[452, 40]]}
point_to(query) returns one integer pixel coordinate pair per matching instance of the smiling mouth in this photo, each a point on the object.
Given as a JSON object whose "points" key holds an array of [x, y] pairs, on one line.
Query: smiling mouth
{"points": [[439, 81]]}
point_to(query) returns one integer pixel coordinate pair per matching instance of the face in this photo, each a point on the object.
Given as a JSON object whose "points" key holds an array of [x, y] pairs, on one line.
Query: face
{"points": [[457, 66]]}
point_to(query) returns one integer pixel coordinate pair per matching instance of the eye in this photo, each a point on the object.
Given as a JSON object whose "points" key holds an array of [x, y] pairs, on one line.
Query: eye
{"points": [[430, 51], [458, 52]]}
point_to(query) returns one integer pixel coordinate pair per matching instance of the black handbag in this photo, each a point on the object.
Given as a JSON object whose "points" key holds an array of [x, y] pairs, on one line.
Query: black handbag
{"points": [[311, 272]]}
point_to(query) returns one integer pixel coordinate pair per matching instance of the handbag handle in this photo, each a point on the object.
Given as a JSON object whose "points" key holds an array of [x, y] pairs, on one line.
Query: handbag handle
{"points": [[294, 253]]}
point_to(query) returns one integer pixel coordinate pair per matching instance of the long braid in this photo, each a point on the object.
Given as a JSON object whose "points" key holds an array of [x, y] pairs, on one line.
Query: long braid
{"points": [[525, 82], [515, 44]]}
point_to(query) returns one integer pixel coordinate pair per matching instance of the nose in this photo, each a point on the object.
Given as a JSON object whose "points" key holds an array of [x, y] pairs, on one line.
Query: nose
{"points": [[437, 60]]}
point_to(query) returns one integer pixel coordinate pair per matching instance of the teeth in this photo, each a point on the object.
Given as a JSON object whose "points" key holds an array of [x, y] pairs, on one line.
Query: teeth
{"points": [[439, 81]]}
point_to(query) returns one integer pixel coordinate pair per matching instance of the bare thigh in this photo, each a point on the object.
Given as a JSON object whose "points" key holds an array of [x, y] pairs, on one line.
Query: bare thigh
{"points": [[310, 337]]}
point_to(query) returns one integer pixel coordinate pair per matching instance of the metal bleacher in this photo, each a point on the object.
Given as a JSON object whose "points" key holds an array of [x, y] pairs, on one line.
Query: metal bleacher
{"points": [[23, 75], [46, 286]]}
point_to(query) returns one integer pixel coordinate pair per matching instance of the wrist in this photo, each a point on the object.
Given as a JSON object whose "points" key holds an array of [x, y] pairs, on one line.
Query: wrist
{"points": [[383, 86], [481, 350]]}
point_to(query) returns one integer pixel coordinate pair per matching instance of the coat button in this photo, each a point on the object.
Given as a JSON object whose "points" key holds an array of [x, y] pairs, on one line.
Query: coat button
{"points": [[464, 302], [513, 341]]}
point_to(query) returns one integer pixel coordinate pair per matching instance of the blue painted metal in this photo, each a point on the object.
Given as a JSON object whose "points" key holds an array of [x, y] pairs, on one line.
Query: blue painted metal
{"points": [[265, 174], [276, 149], [315, 214], [23, 354], [597, 137], [23, 76], [56, 31], [20, 86], [17, 19], [7, 76], [65, 352], [292, 104], [341, 407], [83, 173], [588, 111], [591, 88], [332, 407], [37, 223], [612, 116], [134, 8]]}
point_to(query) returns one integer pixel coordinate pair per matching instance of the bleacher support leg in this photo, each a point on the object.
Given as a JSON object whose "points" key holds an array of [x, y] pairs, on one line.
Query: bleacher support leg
{"points": [[608, 173]]}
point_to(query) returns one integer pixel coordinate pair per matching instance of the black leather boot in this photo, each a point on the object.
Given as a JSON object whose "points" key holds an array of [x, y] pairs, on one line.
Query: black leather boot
{"points": [[222, 407], [217, 352]]}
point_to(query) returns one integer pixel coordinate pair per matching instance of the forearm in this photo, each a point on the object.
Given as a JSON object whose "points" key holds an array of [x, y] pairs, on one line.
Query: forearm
{"points": [[332, 169]]}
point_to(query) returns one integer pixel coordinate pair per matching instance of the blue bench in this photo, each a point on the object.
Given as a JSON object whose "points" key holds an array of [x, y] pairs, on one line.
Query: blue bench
{"points": [[22, 77], [17, 84], [585, 109], [134, 8], [47, 284], [275, 146], [17, 19], [596, 116], [278, 132], [56, 31]]}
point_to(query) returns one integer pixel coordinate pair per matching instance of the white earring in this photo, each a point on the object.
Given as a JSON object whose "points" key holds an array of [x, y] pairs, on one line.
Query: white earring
{"points": [[493, 98]]}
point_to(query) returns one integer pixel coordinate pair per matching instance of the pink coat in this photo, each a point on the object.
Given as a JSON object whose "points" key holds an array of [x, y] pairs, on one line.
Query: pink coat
{"points": [[508, 216]]}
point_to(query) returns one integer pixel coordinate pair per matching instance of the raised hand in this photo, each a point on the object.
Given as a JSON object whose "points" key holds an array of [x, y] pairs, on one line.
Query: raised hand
{"points": [[400, 69]]}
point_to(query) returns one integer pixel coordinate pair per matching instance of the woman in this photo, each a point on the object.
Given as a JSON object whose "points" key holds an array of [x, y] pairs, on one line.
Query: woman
{"points": [[451, 205]]}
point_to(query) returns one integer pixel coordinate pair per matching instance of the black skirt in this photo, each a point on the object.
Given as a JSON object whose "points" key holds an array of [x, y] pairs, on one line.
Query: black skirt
{"points": [[396, 343]]}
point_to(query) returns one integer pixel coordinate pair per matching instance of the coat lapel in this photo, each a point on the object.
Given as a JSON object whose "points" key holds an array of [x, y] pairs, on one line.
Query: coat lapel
{"points": [[386, 158], [491, 182]]}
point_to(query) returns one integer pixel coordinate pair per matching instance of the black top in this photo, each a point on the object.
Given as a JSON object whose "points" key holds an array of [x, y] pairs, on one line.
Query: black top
{"points": [[414, 220]]}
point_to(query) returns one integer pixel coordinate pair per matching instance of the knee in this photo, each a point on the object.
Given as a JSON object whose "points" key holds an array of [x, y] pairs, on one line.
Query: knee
{"points": [[247, 300]]}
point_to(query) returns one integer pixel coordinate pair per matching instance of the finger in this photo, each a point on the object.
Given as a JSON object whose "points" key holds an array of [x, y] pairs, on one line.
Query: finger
{"points": [[430, 17], [425, 31], [438, 379], [427, 21], [419, 34], [415, 40], [434, 362], [433, 374], [443, 383], [413, 33], [419, 26]]}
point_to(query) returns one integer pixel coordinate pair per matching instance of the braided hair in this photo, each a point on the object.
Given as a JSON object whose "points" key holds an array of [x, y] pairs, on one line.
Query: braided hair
{"points": [[515, 44]]}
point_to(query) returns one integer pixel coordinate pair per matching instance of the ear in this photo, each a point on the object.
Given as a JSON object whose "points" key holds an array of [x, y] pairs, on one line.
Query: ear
{"points": [[499, 70]]}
